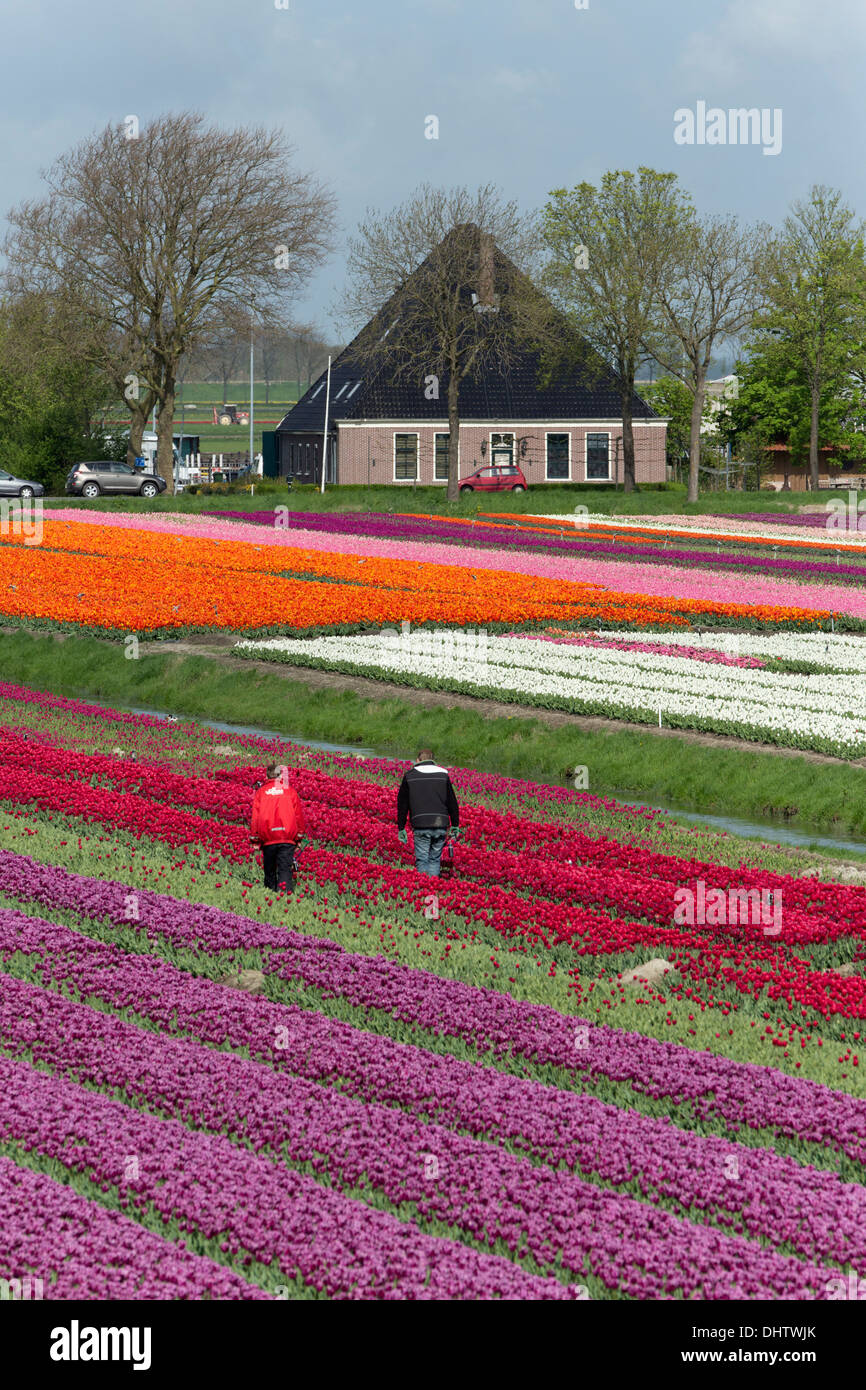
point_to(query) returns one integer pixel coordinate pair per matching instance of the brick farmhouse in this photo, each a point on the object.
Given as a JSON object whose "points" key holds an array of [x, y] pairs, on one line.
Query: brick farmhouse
{"points": [[387, 428]]}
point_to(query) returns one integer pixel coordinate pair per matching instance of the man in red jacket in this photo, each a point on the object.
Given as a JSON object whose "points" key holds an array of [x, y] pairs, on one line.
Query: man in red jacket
{"points": [[277, 825]]}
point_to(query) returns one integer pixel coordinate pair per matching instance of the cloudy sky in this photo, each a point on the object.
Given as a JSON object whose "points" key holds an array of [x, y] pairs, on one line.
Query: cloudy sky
{"points": [[529, 94]]}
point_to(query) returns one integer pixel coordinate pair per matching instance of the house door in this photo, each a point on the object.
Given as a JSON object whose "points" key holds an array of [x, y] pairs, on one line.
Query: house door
{"points": [[502, 450]]}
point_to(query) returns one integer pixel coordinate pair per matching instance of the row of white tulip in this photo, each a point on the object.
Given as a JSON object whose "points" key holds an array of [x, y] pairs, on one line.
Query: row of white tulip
{"points": [[810, 711]]}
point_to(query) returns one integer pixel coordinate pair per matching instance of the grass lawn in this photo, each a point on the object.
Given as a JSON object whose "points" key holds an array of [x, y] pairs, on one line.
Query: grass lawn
{"points": [[544, 498]]}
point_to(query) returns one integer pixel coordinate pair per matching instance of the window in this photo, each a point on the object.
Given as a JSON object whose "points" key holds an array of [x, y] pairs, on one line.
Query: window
{"points": [[354, 389], [441, 465], [598, 456], [502, 448], [557, 456], [120, 468], [405, 457]]}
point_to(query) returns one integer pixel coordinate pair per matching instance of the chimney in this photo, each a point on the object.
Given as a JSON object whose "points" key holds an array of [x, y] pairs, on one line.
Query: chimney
{"points": [[486, 282]]}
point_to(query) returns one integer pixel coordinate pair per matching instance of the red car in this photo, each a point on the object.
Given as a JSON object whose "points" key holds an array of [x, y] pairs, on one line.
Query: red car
{"points": [[495, 478]]}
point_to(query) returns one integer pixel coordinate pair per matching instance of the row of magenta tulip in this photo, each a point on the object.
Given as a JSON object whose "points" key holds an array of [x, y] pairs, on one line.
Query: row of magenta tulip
{"points": [[413, 528], [215, 1191]]}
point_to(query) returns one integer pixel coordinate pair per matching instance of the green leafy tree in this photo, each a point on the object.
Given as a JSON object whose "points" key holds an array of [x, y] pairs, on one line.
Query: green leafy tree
{"points": [[814, 282], [47, 400], [610, 249], [774, 406], [671, 398]]}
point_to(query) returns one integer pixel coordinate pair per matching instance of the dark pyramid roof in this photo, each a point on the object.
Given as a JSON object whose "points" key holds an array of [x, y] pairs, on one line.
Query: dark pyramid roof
{"points": [[362, 392]]}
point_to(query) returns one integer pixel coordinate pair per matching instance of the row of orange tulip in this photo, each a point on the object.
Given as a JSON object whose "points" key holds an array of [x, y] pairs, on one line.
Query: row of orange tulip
{"points": [[134, 580]]}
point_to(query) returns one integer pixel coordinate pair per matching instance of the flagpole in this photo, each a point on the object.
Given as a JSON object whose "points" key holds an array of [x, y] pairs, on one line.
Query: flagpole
{"points": [[325, 435]]}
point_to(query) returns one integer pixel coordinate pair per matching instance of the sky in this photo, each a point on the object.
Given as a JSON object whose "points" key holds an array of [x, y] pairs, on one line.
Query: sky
{"points": [[531, 95]]}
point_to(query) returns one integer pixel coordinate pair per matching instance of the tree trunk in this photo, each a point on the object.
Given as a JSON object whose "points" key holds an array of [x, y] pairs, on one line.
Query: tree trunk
{"points": [[137, 423], [628, 478], [813, 436], [695, 441], [453, 489], [165, 433]]}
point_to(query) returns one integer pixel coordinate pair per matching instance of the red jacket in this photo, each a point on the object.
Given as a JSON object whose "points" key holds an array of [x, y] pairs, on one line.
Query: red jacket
{"points": [[278, 817]]}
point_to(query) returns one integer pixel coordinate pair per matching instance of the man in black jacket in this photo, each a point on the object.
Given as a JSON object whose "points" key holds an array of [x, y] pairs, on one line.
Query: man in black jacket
{"points": [[427, 797]]}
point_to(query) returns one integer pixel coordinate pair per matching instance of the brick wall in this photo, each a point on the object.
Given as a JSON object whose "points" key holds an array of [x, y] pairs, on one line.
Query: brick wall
{"points": [[366, 452]]}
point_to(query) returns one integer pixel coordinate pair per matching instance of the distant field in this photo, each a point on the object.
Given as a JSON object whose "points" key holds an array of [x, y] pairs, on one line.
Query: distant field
{"points": [[199, 398], [211, 392]]}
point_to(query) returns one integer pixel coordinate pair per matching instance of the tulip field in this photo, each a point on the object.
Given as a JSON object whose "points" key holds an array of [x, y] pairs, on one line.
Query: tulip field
{"points": [[610, 1058], [273, 572], [392, 1087]]}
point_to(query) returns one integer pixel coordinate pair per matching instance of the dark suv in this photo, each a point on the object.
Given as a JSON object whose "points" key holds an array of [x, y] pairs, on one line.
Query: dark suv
{"points": [[94, 479]]}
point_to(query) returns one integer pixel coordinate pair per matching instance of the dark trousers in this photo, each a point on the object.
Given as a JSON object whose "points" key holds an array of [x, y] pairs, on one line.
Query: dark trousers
{"points": [[279, 866]]}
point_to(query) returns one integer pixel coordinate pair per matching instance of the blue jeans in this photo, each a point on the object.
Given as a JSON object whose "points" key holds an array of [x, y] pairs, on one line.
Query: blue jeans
{"points": [[429, 845]]}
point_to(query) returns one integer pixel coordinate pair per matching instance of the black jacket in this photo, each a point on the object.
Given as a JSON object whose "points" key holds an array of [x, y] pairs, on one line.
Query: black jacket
{"points": [[427, 797]]}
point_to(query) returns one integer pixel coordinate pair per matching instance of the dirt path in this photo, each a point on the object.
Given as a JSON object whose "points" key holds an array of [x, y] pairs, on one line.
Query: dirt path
{"points": [[218, 650]]}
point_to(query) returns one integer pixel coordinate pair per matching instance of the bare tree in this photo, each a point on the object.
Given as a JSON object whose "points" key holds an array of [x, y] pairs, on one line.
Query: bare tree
{"points": [[609, 248], [225, 349], [709, 292], [433, 287], [306, 350], [272, 344], [162, 234]]}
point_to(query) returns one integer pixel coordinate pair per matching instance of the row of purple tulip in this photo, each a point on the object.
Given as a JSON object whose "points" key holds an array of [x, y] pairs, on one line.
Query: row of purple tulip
{"points": [[408, 1155], [737, 1093], [77, 1249], [254, 1208]]}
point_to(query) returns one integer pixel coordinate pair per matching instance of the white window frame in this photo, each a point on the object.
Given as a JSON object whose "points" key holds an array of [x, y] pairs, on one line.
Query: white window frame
{"points": [[567, 433], [586, 477], [515, 447], [394, 478]]}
